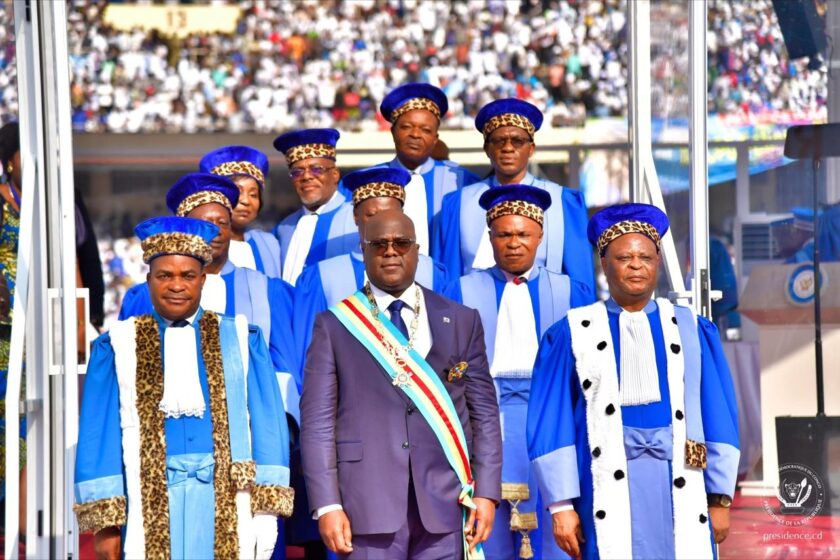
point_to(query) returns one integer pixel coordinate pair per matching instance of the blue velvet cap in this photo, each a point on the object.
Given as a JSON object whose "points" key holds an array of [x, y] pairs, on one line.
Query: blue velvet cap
{"points": [[508, 112], [195, 189], [307, 143], [614, 221], [231, 161], [523, 200], [174, 235], [411, 96], [376, 182]]}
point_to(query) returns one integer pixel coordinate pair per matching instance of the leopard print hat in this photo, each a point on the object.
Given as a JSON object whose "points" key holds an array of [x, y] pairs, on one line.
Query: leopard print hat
{"points": [[175, 235], [612, 222], [408, 97], [232, 161], [377, 182], [307, 143], [523, 200], [508, 112], [195, 189]]}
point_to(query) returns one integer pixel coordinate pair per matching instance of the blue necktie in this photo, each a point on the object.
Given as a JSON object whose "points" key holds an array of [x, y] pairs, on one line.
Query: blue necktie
{"points": [[394, 311]]}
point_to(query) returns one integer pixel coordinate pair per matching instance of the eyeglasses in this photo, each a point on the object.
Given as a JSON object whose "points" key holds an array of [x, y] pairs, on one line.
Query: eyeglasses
{"points": [[380, 246], [518, 142], [314, 170]]}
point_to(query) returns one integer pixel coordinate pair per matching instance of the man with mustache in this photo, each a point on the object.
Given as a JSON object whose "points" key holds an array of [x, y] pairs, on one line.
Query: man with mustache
{"points": [[461, 242], [518, 301], [183, 447], [400, 427], [323, 226], [632, 422], [415, 111]]}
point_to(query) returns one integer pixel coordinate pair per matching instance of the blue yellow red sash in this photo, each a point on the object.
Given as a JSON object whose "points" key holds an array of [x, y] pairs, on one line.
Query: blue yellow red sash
{"points": [[411, 373]]}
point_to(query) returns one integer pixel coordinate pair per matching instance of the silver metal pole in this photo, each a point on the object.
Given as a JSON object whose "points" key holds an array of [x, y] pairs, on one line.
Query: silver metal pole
{"points": [[644, 185], [699, 183]]}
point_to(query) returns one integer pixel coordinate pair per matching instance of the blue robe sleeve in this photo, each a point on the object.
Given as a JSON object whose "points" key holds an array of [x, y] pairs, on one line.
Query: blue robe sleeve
{"points": [[581, 294], [550, 427], [269, 432], [577, 252], [281, 343], [136, 302], [719, 410], [99, 479], [723, 279], [309, 301], [452, 290], [440, 277], [446, 239]]}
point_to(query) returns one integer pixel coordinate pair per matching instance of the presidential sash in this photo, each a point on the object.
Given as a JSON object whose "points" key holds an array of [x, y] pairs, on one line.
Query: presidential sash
{"points": [[416, 378]]}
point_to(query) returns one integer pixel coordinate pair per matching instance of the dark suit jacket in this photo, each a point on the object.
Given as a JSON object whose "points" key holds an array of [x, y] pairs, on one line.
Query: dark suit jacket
{"points": [[361, 438]]}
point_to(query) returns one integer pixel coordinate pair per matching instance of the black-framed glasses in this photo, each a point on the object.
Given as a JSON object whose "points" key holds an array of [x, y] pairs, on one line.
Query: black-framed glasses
{"points": [[314, 170], [518, 142], [380, 246]]}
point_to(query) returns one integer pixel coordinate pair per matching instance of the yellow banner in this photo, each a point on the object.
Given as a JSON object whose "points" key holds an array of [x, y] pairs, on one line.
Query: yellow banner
{"points": [[176, 20]]}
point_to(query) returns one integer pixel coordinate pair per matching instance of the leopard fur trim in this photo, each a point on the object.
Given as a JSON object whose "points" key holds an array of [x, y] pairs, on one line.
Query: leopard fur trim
{"points": [[154, 491], [176, 243], [519, 207], [230, 168], [376, 190], [622, 228], [202, 197], [99, 514], [243, 474], [308, 151], [508, 119], [227, 536], [415, 103], [695, 454], [278, 500]]}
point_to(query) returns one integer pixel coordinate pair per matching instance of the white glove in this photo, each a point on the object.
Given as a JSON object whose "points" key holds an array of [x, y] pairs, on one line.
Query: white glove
{"points": [[265, 531]]}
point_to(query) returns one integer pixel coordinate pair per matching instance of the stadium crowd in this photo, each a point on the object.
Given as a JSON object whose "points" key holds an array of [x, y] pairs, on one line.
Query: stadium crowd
{"points": [[331, 62]]}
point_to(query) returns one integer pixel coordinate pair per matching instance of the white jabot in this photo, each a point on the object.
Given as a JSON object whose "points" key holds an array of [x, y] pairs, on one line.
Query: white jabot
{"points": [[423, 338], [299, 246], [516, 342], [484, 255], [242, 255], [639, 374], [214, 294], [182, 394], [416, 208]]}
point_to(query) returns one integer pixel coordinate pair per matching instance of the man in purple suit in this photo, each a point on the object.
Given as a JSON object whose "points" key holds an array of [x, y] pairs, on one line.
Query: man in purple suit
{"points": [[400, 426]]}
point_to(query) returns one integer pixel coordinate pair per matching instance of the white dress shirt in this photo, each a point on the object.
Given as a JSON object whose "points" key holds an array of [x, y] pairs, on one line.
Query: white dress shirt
{"points": [[416, 208], [301, 242], [214, 294]]}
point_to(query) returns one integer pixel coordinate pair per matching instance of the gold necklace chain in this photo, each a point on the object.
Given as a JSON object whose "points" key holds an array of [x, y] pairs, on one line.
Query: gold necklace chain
{"points": [[412, 330]]}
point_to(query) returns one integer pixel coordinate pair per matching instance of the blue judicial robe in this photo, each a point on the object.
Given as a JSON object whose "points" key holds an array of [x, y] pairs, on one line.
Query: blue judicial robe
{"points": [[563, 453], [441, 177], [104, 460], [564, 247], [266, 250], [336, 232], [265, 302], [552, 295], [328, 282]]}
